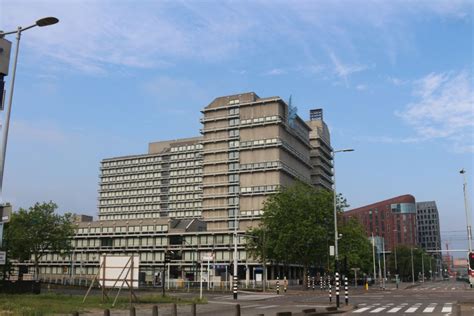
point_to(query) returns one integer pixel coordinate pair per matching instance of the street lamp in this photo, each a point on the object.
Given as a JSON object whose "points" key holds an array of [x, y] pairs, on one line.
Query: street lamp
{"points": [[412, 268], [41, 22], [396, 264], [468, 217], [336, 235]]}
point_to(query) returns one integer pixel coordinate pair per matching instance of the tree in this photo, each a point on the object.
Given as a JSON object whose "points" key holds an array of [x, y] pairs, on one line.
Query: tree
{"points": [[354, 247], [34, 232], [404, 263], [297, 222]]}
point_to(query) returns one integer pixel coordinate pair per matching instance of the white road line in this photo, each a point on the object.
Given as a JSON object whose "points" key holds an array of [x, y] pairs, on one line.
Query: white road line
{"points": [[447, 308], [453, 288], [268, 306], [430, 308], [361, 310], [413, 308], [378, 310], [394, 310], [250, 306]]}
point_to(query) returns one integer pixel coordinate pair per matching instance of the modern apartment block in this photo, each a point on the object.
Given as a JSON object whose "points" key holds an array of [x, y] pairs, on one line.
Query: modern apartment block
{"points": [[427, 219], [393, 219], [191, 195]]}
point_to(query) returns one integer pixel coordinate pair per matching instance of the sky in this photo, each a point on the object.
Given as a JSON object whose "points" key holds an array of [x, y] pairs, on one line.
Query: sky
{"points": [[394, 78]]}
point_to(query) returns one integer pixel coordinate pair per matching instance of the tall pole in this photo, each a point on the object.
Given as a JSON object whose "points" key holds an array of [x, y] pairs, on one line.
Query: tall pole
{"points": [[336, 234], [412, 268], [468, 213], [235, 278], [422, 267], [373, 255], [384, 265], [8, 113]]}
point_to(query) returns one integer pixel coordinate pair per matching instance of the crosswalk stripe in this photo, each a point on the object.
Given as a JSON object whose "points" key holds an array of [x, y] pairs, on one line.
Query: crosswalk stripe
{"points": [[394, 310], [430, 308], [361, 310], [413, 308], [378, 310], [447, 309]]}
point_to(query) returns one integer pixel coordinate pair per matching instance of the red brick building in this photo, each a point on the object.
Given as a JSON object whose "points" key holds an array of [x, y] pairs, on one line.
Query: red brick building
{"points": [[393, 219]]}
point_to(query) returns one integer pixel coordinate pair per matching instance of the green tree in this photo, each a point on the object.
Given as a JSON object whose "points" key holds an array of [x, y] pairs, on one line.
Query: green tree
{"points": [[404, 263], [297, 222], [34, 232], [355, 249]]}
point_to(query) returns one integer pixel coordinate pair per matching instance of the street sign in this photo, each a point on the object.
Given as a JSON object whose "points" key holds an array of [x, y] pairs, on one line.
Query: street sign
{"points": [[331, 251], [5, 213], [3, 256]]}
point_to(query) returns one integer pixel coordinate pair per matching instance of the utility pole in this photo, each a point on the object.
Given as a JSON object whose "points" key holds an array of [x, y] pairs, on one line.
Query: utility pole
{"points": [[373, 255], [468, 213]]}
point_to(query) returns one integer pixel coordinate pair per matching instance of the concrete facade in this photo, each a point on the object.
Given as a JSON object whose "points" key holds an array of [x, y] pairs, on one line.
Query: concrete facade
{"points": [[192, 195]]}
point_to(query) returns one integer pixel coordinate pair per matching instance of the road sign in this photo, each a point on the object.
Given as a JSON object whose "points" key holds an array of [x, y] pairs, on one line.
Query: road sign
{"points": [[5, 213], [3, 256]]}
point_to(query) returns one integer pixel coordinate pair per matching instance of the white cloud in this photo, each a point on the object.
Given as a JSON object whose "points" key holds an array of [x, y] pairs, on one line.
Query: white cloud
{"points": [[275, 72], [397, 81], [444, 108], [342, 70], [361, 87]]}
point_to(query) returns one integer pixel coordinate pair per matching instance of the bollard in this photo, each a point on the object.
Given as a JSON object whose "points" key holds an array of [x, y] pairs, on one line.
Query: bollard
{"points": [[237, 310], [132, 311], [283, 314], [309, 282], [154, 311], [312, 280], [337, 289], [330, 290], [234, 288], [278, 285], [346, 291], [193, 309], [285, 283], [174, 310], [321, 283], [107, 312]]}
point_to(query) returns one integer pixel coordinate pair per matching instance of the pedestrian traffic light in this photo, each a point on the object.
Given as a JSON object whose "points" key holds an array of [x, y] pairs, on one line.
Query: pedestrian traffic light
{"points": [[167, 256]]}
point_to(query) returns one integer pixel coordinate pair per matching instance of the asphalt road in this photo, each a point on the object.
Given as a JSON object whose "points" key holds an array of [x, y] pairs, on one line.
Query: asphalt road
{"points": [[430, 299]]}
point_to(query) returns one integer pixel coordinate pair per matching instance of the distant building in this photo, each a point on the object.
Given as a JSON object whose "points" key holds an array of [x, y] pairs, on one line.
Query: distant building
{"points": [[393, 219], [427, 220]]}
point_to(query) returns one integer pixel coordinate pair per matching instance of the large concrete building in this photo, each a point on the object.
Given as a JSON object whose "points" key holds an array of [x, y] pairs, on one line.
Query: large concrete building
{"points": [[394, 220], [190, 195]]}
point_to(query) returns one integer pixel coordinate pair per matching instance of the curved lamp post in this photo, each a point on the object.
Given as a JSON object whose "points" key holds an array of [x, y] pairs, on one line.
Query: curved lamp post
{"points": [[41, 22]]}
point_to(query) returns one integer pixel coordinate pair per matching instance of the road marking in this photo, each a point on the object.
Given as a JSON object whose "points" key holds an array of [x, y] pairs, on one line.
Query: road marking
{"points": [[250, 306], [395, 309], [378, 310], [268, 306], [453, 288], [413, 308], [363, 309], [430, 308], [447, 308]]}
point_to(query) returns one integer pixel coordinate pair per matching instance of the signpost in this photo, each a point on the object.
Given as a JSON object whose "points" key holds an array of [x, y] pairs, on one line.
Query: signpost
{"points": [[3, 256]]}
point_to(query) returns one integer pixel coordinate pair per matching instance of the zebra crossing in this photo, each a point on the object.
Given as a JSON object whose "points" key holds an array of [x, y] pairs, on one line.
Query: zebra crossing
{"points": [[405, 308]]}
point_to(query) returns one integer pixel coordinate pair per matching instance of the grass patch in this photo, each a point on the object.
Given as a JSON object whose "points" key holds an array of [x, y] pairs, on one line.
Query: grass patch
{"points": [[54, 303]]}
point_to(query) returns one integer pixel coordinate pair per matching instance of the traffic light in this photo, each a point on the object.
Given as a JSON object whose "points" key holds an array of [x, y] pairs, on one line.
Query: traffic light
{"points": [[5, 213], [167, 256]]}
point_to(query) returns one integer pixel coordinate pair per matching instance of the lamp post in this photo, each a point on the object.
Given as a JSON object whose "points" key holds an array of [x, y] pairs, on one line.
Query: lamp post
{"points": [[41, 22], [396, 264], [412, 268], [468, 214], [336, 235]]}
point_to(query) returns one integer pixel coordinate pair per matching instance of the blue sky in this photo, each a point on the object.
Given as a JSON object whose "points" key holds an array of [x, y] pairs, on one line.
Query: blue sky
{"points": [[395, 80]]}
